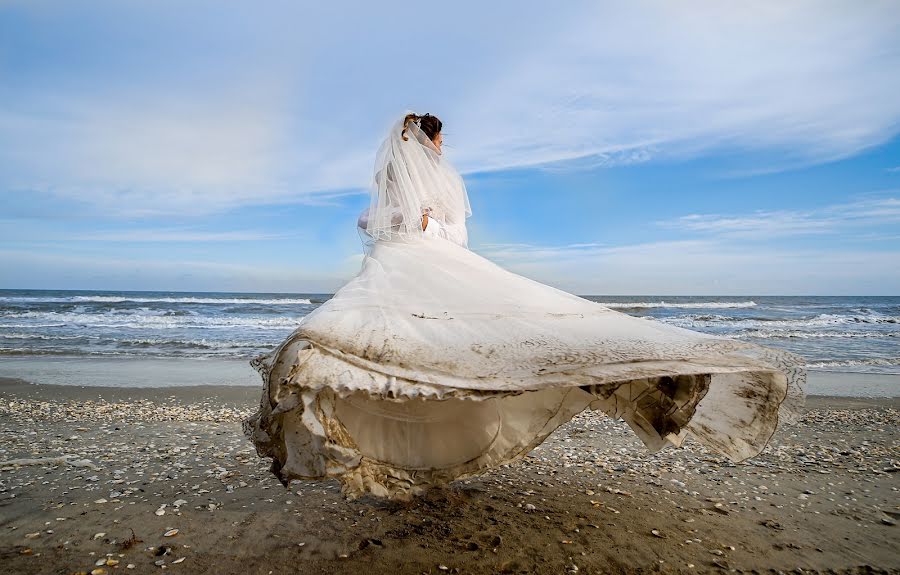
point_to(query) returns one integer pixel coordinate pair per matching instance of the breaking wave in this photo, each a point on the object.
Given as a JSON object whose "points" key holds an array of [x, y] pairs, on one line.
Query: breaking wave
{"points": [[679, 305], [847, 365], [141, 319], [182, 300]]}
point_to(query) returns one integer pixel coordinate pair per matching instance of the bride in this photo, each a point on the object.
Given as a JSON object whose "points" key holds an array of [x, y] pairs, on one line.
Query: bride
{"points": [[435, 364]]}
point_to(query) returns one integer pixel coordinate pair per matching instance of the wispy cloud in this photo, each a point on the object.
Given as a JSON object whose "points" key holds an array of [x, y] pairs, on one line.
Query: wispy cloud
{"points": [[730, 254], [524, 251], [769, 224], [689, 78], [178, 235], [40, 270], [156, 126], [704, 267], [142, 156]]}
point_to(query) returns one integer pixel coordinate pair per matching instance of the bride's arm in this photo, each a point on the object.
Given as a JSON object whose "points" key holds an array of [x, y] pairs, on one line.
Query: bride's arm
{"points": [[396, 218], [363, 220]]}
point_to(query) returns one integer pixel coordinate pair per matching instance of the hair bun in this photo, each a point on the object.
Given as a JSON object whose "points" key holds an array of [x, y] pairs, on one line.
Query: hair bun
{"points": [[409, 118], [430, 125]]}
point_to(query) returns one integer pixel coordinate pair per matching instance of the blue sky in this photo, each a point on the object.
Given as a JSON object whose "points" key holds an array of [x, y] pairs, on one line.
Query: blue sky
{"points": [[609, 148]]}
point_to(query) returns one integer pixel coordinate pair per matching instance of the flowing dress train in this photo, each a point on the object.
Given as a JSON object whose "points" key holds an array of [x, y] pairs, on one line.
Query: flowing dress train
{"points": [[434, 364]]}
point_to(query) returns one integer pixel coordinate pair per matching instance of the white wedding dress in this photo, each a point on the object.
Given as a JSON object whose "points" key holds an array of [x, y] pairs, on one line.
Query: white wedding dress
{"points": [[435, 364]]}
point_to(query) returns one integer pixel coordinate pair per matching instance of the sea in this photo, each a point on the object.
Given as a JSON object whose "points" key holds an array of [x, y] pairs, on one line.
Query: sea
{"points": [[41, 328]]}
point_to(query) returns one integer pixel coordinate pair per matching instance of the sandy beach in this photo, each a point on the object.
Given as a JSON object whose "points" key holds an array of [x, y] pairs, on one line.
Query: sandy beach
{"points": [[110, 480]]}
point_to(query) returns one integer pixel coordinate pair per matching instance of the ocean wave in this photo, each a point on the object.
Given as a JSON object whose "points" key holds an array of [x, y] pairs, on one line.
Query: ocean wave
{"points": [[798, 334], [187, 343], [31, 325], [125, 299], [97, 340], [821, 320], [79, 353], [25, 351], [133, 320], [677, 305], [870, 362], [43, 337]]}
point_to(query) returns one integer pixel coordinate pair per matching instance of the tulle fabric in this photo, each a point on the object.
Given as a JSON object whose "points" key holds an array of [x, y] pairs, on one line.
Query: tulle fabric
{"points": [[412, 178], [434, 364]]}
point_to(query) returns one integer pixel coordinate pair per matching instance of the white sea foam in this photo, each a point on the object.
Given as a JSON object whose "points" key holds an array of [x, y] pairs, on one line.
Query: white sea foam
{"points": [[147, 341], [676, 305], [41, 337], [870, 362], [81, 353], [123, 299], [134, 320], [788, 333], [31, 325], [821, 320], [189, 343]]}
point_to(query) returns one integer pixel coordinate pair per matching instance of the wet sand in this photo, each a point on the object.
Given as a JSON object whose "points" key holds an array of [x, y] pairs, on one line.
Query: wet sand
{"points": [[119, 468]]}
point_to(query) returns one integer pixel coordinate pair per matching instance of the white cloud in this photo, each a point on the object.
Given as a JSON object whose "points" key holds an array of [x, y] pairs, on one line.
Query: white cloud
{"points": [[175, 235], [815, 79], [704, 268], [82, 270], [529, 252], [769, 224], [731, 257], [143, 156], [577, 85]]}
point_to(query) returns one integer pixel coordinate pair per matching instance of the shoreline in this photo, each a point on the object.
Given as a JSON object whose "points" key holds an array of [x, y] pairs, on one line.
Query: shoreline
{"points": [[238, 395], [148, 372]]}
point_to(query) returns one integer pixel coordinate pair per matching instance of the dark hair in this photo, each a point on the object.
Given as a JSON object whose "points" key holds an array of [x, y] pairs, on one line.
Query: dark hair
{"points": [[429, 124]]}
